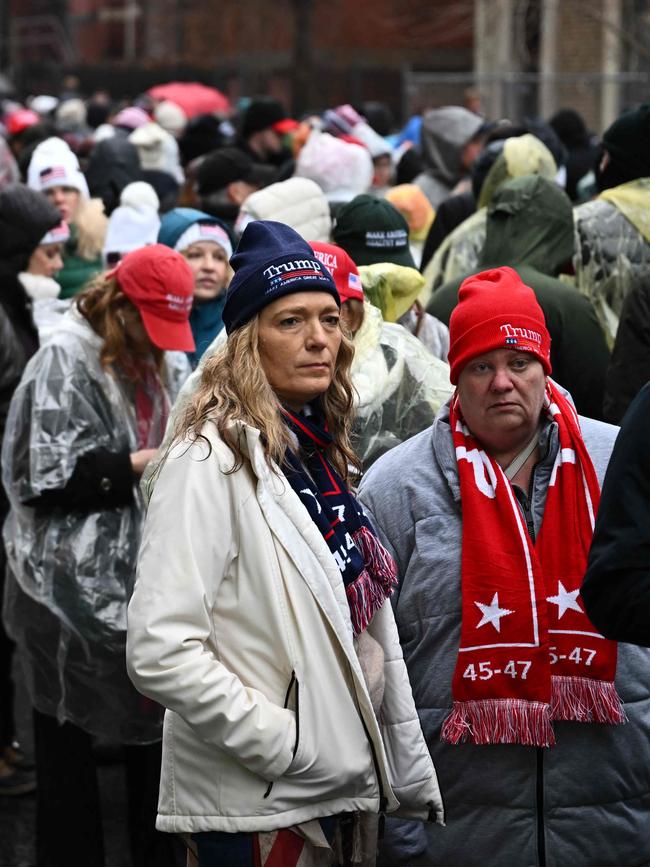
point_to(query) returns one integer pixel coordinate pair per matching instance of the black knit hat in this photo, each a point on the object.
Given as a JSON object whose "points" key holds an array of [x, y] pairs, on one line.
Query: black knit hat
{"points": [[271, 261], [627, 141], [25, 216], [226, 165], [261, 113]]}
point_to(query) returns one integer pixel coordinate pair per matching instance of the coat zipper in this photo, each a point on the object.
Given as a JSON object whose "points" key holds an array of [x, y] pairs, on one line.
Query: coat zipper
{"points": [[541, 839], [293, 681]]}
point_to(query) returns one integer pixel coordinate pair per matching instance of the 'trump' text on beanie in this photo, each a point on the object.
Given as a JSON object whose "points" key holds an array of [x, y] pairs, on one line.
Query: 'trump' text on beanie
{"points": [[271, 261], [496, 310]]}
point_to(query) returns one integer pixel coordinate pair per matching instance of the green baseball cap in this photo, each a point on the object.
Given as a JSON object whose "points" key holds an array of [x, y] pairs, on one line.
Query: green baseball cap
{"points": [[371, 230]]}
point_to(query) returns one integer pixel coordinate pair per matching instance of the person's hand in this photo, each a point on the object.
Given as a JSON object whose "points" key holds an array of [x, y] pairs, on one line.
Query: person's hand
{"points": [[140, 459]]}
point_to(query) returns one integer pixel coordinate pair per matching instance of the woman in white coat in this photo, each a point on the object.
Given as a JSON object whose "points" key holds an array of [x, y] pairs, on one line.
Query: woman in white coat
{"points": [[260, 616]]}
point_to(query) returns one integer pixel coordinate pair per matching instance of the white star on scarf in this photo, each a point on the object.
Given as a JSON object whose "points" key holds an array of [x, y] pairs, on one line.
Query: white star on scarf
{"points": [[492, 613], [565, 600]]}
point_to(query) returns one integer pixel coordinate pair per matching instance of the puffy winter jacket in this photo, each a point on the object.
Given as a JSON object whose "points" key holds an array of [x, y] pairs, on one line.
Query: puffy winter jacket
{"points": [[298, 202], [583, 802], [239, 624]]}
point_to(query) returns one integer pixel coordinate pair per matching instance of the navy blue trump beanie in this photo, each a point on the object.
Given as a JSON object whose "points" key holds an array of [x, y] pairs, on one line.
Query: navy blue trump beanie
{"points": [[271, 260]]}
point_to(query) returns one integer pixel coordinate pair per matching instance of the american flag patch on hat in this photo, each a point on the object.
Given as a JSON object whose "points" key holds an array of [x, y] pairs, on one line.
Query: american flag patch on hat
{"points": [[53, 173], [354, 282]]}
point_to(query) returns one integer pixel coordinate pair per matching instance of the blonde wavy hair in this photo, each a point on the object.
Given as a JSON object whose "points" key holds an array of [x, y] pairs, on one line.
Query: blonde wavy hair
{"points": [[234, 388], [106, 307]]}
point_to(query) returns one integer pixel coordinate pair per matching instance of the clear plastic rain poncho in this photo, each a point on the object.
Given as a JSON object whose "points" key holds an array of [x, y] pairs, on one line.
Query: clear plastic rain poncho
{"points": [[460, 251], [399, 383], [70, 573], [612, 255]]}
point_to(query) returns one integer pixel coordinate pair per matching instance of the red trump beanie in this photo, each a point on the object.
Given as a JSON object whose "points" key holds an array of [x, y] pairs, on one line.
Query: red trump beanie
{"points": [[496, 310]]}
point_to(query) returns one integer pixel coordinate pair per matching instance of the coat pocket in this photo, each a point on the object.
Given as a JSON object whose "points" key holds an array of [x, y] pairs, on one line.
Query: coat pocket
{"points": [[294, 686]]}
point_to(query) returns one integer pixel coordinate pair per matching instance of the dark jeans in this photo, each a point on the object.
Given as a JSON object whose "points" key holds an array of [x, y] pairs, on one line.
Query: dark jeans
{"points": [[68, 812], [215, 848]]}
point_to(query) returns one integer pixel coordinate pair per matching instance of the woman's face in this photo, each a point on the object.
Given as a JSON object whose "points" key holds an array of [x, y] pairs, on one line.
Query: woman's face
{"points": [[66, 199], [501, 395], [299, 340], [138, 339], [209, 265], [46, 260]]}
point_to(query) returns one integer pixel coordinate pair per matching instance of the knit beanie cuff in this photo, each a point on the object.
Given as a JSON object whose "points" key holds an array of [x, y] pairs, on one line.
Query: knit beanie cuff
{"points": [[517, 332], [271, 261]]}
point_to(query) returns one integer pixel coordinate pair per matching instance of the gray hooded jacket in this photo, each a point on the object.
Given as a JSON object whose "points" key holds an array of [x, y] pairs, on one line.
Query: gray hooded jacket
{"points": [[445, 131], [582, 803]]}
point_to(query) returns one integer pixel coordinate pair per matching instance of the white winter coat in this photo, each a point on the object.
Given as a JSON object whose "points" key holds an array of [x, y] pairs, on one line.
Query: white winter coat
{"points": [[239, 625], [297, 202]]}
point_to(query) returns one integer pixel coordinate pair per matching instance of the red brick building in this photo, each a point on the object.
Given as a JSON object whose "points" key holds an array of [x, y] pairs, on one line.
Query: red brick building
{"points": [[310, 53]]}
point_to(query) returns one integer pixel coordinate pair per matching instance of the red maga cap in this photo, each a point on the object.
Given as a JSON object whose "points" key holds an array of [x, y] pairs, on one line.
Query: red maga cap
{"points": [[160, 283], [341, 267], [20, 119], [286, 125]]}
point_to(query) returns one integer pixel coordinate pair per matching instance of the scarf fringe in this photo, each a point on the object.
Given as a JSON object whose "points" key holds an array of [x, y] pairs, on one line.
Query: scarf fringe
{"points": [[366, 594], [365, 597], [580, 699], [376, 558], [499, 721]]}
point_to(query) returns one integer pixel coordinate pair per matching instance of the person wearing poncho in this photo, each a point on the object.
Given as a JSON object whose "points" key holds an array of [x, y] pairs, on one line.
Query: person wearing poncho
{"points": [[261, 614], [86, 417], [489, 515]]}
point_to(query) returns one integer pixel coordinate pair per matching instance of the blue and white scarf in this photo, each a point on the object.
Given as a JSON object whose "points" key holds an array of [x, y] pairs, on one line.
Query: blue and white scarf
{"points": [[368, 571]]}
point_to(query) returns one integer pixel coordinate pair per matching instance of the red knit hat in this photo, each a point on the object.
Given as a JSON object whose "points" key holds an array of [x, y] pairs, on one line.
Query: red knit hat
{"points": [[496, 310], [341, 267]]}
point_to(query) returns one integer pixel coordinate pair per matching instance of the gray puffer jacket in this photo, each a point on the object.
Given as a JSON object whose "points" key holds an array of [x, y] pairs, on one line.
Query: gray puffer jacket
{"points": [[583, 803]]}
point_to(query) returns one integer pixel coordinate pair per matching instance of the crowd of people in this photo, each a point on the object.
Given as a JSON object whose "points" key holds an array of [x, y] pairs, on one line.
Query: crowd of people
{"points": [[304, 429]]}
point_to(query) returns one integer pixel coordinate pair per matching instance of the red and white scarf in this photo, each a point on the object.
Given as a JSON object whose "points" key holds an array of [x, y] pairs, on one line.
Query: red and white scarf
{"points": [[528, 652]]}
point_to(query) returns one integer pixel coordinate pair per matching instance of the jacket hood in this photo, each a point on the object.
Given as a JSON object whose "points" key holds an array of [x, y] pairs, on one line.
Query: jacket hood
{"points": [[631, 199], [25, 217], [529, 222], [445, 131], [114, 163], [522, 155], [391, 288]]}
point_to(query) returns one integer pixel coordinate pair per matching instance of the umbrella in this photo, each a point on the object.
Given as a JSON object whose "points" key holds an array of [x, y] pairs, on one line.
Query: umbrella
{"points": [[192, 97]]}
